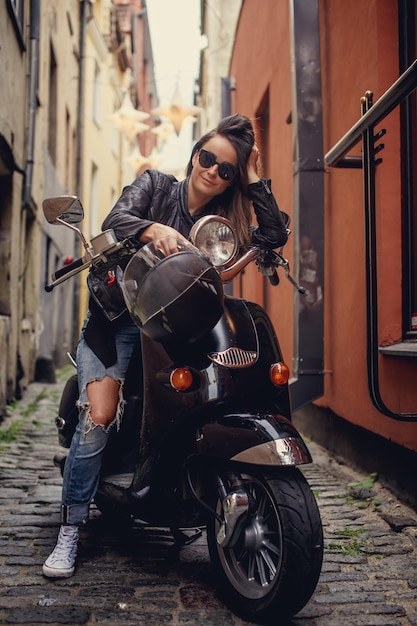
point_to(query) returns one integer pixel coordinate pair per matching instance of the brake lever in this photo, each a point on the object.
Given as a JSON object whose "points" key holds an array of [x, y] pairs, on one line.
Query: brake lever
{"points": [[268, 263], [284, 264]]}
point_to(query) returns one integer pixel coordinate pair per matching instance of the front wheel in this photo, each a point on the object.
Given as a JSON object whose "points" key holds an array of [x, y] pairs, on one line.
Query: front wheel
{"points": [[274, 565]]}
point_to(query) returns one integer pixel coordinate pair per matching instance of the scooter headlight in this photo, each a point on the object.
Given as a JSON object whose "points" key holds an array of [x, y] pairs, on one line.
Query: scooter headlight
{"points": [[215, 238]]}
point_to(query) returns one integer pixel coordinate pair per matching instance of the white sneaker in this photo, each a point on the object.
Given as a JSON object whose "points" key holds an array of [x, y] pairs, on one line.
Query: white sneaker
{"points": [[61, 562]]}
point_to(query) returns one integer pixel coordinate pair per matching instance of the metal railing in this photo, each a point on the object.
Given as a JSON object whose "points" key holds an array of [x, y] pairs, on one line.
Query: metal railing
{"points": [[363, 131]]}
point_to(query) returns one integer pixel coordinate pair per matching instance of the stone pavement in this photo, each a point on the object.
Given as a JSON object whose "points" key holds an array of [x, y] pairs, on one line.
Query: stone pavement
{"points": [[369, 574]]}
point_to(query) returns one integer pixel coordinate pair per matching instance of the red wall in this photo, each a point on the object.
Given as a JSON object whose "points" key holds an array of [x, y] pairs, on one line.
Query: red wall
{"points": [[261, 66], [359, 52]]}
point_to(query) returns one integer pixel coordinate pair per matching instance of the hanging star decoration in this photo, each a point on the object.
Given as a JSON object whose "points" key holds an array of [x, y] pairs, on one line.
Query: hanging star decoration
{"points": [[154, 159], [177, 111], [128, 119], [136, 159], [163, 130]]}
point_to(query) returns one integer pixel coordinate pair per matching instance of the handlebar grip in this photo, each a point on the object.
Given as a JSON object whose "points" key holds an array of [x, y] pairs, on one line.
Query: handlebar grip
{"points": [[274, 278], [68, 268]]}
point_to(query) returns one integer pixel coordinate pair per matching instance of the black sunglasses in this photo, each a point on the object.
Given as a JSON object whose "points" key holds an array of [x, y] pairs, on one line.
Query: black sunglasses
{"points": [[226, 170]]}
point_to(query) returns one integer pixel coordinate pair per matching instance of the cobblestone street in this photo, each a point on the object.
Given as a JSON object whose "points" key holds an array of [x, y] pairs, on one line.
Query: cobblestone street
{"points": [[369, 574]]}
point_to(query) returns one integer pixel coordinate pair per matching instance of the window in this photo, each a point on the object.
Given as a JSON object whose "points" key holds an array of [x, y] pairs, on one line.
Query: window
{"points": [[263, 130], [94, 223], [262, 135], [53, 102], [70, 148], [6, 204], [97, 94], [116, 135], [408, 53], [15, 8]]}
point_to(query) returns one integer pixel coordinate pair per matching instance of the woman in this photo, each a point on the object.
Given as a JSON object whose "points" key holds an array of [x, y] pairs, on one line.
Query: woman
{"points": [[221, 178]]}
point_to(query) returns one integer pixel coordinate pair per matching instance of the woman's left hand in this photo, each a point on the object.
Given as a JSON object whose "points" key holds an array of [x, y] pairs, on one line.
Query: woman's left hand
{"points": [[253, 165]]}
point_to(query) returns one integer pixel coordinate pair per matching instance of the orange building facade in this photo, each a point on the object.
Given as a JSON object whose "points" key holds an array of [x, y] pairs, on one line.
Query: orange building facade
{"points": [[332, 87]]}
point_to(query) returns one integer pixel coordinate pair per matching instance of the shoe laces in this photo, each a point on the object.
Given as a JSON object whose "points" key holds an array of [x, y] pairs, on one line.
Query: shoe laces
{"points": [[66, 545]]}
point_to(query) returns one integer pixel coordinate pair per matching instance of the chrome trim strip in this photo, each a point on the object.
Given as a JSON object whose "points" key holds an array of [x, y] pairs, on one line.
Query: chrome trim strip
{"points": [[234, 357], [288, 451]]}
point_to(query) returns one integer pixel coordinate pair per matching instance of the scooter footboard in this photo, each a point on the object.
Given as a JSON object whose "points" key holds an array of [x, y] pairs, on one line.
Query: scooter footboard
{"points": [[258, 439]]}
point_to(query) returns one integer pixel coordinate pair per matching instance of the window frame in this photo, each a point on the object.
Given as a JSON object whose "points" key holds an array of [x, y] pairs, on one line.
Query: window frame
{"points": [[407, 37], [16, 12]]}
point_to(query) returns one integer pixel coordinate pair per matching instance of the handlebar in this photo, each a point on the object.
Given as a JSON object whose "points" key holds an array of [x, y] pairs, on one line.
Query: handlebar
{"points": [[228, 273], [66, 272], [125, 246], [267, 261], [67, 268]]}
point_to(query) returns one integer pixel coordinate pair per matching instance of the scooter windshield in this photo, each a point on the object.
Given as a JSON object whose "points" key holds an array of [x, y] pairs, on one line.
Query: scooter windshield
{"points": [[179, 295]]}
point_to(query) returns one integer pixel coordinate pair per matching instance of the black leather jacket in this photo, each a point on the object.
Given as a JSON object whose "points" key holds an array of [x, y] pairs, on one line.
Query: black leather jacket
{"points": [[158, 197]]}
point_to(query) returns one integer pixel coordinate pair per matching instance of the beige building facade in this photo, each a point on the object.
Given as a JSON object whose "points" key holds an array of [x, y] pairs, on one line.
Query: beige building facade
{"points": [[218, 25], [65, 70], [14, 224], [104, 169], [118, 69], [37, 130]]}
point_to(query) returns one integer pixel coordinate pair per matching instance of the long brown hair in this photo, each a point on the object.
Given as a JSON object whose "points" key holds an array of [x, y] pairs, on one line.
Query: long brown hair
{"points": [[234, 203]]}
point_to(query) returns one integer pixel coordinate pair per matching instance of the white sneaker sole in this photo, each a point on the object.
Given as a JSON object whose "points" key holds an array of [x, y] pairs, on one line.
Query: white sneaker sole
{"points": [[54, 572]]}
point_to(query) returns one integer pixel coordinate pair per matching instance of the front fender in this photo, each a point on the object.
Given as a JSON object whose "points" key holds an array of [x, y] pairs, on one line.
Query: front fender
{"points": [[257, 439]]}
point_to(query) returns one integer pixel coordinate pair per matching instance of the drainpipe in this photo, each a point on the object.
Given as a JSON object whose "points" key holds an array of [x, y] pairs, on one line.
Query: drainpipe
{"points": [[84, 5], [308, 184], [33, 87]]}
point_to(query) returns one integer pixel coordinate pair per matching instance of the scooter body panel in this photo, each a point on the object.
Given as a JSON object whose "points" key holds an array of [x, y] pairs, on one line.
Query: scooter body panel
{"points": [[257, 439], [244, 326]]}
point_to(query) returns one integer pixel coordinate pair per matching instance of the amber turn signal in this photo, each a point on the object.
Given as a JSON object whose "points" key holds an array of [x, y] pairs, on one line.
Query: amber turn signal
{"points": [[279, 374], [181, 379]]}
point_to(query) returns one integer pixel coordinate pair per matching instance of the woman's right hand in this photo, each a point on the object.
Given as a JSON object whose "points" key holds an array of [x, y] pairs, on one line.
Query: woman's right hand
{"points": [[253, 165], [165, 238]]}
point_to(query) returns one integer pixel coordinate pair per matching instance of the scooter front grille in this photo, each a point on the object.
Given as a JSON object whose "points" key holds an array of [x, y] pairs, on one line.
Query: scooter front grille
{"points": [[234, 357]]}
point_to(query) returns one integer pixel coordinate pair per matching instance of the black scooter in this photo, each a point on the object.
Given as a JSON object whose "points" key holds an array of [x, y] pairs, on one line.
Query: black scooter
{"points": [[206, 439]]}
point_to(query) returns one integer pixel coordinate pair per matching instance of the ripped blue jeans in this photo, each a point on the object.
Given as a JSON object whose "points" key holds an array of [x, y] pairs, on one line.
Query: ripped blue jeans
{"points": [[83, 464]]}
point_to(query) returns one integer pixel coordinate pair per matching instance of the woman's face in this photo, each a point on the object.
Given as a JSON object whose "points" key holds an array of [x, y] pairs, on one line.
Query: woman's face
{"points": [[206, 180]]}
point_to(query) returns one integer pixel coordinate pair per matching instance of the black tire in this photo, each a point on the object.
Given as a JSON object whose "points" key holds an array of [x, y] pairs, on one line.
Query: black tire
{"points": [[68, 412], [274, 567]]}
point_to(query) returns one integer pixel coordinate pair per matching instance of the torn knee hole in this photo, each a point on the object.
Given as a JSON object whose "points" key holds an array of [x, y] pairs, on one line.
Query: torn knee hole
{"points": [[100, 417]]}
